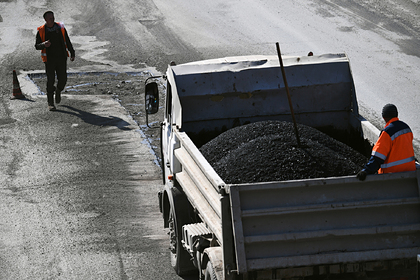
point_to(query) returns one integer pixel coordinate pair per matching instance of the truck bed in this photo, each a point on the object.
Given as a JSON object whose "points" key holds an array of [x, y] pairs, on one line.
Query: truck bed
{"points": [[307, 223]]}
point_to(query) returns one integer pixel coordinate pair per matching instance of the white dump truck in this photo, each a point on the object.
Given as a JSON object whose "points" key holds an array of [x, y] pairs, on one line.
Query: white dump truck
{"points": [[282, 229]]}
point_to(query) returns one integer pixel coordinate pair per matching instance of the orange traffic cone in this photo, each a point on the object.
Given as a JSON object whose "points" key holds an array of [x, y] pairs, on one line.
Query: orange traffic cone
{"points": [[17, 93]]}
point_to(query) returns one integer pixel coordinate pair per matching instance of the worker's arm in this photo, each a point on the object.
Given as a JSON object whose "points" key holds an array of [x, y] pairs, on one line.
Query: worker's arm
{"points": [[379, 154], [370, 168], [69, 45], [39, 45], [373, 165]]}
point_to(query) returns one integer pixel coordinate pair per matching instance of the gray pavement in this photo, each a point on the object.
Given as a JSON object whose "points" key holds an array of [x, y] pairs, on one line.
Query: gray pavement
{"points": [[78, 195]]}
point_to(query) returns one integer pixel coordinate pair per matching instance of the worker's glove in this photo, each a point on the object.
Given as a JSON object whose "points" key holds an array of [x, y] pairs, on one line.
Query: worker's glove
{"points": [[361, 175]]}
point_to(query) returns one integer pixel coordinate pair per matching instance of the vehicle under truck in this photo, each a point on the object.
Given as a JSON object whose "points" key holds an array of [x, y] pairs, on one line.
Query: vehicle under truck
{"points": [[283, 229]]}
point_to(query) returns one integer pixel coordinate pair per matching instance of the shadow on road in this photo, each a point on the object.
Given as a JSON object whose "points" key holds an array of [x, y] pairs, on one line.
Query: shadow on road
{"points": [[95, 119], [22, 99]]}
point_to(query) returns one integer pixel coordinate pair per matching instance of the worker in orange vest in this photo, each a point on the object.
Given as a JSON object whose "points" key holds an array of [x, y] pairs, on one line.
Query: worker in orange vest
{"points": [[53, 41], [393, 152]]}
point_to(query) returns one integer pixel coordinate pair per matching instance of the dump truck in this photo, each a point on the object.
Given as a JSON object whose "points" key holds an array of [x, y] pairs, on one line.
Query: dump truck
{"points": [[337, 226]]}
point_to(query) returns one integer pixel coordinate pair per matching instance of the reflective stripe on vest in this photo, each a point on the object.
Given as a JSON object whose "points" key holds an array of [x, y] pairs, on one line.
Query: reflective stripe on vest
{"points": [[41, 31], [399, 133], [398, 162], [379, 155]]}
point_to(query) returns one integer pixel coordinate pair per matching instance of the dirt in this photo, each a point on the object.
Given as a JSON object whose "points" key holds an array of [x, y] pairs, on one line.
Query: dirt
{"points": [[126, 88], [268, 151]]}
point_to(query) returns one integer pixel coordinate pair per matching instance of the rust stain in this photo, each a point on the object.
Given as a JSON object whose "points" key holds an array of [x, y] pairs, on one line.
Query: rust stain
{"points": [[217, 98], [245, 95]]}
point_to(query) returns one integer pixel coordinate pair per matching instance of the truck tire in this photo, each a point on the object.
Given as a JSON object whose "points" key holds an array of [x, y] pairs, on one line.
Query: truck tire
{"points": [[179, 215]]}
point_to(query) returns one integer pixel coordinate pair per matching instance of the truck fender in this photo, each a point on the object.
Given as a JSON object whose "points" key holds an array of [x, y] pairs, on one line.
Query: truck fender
{"points": [[180, 213], [213, 260], [164, 207], [170, 196]]}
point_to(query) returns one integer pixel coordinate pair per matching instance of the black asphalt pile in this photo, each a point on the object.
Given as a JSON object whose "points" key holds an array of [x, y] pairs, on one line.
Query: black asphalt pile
{"points": [[268, 151]]}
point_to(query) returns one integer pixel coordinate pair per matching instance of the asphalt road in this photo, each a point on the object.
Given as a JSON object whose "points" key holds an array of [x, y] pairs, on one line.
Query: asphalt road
{"points": [[78, 187], [381, 38], [78, 194]]}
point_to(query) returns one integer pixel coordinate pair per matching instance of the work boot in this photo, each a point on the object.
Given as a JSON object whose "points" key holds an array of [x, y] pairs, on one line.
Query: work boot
{"points": [[58, 96], [50, 97]]}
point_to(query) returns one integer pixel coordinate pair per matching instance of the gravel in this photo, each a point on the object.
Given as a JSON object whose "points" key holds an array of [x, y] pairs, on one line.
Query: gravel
{"points": [[268, 151]]}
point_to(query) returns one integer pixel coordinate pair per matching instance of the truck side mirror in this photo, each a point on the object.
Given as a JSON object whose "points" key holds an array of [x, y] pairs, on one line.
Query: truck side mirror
{"points": [[152, 98]]}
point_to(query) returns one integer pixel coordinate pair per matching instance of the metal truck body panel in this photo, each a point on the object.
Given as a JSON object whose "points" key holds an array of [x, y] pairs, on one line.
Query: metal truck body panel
{"points": [[200, 183], [224, 92], [325, 221]]}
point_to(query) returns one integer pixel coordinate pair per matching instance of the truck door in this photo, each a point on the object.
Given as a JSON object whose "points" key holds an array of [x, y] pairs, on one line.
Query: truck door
{"points": [[166, 132]]}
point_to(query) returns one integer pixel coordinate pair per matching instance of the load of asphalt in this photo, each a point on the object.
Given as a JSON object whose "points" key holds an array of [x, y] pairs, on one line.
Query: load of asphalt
{"points": [[268, 151]]}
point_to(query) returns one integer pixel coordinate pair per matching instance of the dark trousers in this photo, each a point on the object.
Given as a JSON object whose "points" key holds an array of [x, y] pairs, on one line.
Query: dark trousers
{"points": [[55, 67]]}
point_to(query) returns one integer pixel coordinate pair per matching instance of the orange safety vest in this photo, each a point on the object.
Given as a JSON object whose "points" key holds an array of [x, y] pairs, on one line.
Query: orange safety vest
{"points": [[41, 31], [395, 147]]}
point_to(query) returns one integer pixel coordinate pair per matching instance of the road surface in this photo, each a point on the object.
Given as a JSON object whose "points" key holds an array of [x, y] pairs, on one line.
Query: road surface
{"points": [[381, 38], [79, 185]]}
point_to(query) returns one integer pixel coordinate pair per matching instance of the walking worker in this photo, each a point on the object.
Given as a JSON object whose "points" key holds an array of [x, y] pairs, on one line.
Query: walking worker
{"points": [[53, 41], [393, 152]]}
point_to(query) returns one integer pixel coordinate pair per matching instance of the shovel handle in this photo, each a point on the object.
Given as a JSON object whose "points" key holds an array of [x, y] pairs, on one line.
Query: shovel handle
{"points": [[288, 94]]}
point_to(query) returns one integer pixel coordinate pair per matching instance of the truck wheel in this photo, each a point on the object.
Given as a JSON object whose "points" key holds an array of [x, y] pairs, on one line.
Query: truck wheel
{"points": [[178, 216]]}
